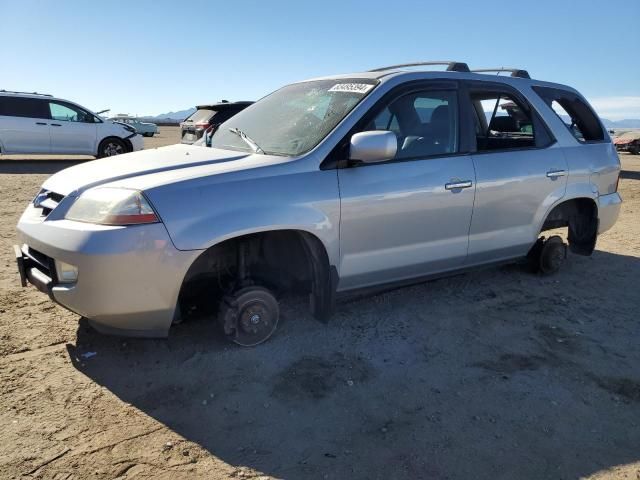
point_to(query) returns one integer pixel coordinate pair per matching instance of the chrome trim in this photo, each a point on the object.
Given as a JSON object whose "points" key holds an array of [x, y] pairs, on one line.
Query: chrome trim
{"points": [[457, 185], [556, 173]]}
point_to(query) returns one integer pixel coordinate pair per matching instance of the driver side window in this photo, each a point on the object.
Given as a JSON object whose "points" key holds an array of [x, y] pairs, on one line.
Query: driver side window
{"points": [[68, 113], [425, 123]]}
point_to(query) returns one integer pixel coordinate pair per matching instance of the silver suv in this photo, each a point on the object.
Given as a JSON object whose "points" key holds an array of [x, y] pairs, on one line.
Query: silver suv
{"points": [[324, 187]]}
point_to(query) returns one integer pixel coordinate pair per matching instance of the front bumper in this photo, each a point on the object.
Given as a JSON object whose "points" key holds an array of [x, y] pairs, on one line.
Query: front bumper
{"points": [[137, 142], [608, 211], [129, 278]]}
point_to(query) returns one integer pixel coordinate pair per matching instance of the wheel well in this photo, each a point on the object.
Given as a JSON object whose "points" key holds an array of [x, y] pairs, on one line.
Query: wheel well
{"points": [[580, 216], [281, 260]]}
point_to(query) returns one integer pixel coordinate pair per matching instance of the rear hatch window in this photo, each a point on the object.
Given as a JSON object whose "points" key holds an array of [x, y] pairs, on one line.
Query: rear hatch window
{"points": [[200, 116]]}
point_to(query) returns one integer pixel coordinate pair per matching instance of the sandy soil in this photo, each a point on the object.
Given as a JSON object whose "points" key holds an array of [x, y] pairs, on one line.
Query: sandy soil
{"points": [[496, 374]]}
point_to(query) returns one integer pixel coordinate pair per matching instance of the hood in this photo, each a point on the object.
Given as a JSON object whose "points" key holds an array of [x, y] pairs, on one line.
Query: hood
{"points": [[146, 168]]}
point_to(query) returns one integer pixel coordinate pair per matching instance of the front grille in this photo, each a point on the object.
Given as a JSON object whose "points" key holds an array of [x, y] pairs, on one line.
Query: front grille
{"points": [[47, 200], [43, 262]]}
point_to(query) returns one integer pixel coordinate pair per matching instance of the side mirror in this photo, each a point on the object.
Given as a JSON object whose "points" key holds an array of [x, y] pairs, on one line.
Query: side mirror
{"points": [[373, 147]]}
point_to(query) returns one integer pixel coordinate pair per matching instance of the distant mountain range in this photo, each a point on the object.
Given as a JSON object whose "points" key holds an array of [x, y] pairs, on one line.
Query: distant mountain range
{"points": [[629, 123], [177, 117]]}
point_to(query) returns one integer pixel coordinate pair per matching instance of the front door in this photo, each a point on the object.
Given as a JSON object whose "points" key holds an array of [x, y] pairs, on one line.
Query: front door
{"points": [[72, 130], [410, 216]]}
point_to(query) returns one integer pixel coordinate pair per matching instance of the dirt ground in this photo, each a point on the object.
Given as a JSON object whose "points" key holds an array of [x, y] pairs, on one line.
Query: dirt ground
{"points": [[495, 374]]}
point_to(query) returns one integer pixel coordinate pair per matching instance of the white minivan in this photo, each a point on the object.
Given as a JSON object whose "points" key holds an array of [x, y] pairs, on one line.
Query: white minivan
{"points": [[34, 123]]}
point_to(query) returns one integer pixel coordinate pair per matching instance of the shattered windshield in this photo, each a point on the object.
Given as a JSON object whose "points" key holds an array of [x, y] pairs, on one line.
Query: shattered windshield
{"points": [[293, 120]]}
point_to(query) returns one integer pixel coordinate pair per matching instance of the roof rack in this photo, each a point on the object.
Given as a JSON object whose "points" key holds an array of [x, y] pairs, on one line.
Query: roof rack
{"points": [[26, 93], [515, 72], [451, 66]]}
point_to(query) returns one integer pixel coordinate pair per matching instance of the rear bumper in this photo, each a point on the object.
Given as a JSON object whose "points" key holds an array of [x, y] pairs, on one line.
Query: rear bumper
{"points": [[608, 211], [129, 278]]}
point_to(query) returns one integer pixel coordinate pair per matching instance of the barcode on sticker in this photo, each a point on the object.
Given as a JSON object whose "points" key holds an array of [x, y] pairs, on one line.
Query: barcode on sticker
{"points": [[351, 87]]}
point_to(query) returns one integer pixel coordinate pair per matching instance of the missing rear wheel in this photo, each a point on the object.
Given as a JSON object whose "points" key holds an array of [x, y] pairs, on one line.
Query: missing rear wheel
{"points": [[552, 255]]}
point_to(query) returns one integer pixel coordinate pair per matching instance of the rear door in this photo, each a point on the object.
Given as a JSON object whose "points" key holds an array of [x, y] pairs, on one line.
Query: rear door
{"points": [[73, 130], [24, 125], [410, 216], [520, 172]]}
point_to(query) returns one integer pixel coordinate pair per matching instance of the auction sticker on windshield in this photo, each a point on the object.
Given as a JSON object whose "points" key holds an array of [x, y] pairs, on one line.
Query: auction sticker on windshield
{"points": [[351, 87]]}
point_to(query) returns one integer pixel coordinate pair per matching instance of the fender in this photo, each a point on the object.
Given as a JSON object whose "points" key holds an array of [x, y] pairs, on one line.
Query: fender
{"points": [[202, 217], [239, 223]]}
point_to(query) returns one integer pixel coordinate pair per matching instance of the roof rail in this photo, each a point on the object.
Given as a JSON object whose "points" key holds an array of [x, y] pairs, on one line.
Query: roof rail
{"points": [[26, 93], [515, 72], [451, 66]]}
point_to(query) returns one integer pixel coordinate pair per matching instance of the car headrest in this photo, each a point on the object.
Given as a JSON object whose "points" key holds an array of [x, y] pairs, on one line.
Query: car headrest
{"points": [[440, 114], [504, 124]]}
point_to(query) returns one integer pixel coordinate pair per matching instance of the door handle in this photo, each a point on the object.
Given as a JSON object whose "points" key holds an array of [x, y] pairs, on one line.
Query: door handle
{"points": [[56, 125], [458, 184], [556, 173], [40, 123]]}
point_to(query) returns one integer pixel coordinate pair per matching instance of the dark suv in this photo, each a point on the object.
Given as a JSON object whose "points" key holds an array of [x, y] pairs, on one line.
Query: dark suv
{"points": [[208, 116]]}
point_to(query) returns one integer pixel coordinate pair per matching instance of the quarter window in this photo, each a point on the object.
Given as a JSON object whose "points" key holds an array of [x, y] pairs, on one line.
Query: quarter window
{"points": [[576, 114], [425, 123], [569, 121]]}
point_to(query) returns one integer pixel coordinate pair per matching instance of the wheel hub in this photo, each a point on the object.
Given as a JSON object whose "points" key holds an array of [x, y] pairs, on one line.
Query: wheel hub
{"points": [[112, 149], [250, 316], [254, 318]]}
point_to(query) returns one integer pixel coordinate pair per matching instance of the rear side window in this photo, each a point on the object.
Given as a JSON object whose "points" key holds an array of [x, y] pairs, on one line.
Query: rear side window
{"points": [[576, 114], [23, 107], [501, 122]]}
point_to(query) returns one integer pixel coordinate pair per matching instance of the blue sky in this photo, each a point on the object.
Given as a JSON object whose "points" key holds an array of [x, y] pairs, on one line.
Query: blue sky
{"points": [[150, 57]]}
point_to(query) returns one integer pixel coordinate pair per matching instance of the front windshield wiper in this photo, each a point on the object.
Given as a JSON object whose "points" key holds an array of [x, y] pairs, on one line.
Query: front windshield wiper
{"points": [[244, 137]]}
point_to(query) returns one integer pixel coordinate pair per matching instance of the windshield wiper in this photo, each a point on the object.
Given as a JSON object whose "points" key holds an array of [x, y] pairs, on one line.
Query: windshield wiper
{"points": [[244, 137]]}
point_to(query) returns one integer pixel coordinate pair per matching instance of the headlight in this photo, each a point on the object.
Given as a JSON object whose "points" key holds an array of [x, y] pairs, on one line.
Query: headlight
{"points": [[128, 128], [112, 206]]}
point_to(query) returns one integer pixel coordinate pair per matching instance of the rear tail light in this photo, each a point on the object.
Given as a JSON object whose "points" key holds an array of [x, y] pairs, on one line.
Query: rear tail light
{"points": [[202, 126]]}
